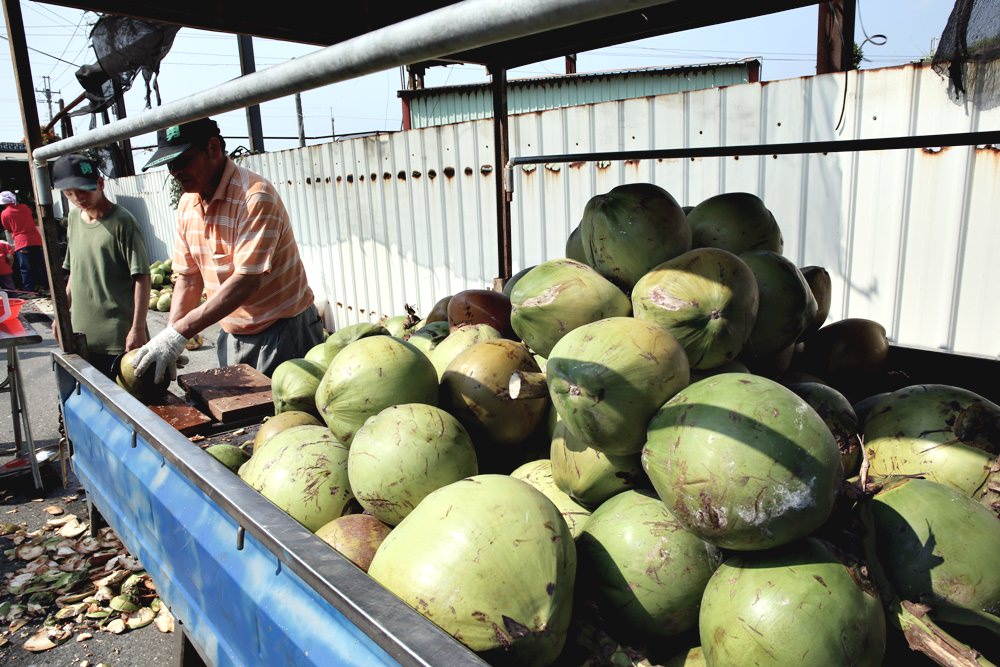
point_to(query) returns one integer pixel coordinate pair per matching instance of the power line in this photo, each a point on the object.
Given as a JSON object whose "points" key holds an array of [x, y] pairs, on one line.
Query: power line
{"points": [[45, 54]]}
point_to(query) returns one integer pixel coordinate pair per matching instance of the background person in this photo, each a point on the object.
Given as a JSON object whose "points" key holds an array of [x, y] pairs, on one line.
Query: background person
{"points": [[235, 242], [108, 287], [18, 220], [7, 267]]}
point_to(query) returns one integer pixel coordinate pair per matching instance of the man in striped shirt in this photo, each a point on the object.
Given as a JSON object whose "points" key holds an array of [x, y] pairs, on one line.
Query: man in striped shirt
{"points": [[234, 242]]}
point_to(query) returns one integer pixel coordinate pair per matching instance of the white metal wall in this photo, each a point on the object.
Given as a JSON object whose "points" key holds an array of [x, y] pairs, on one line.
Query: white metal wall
{"points": [[908, 236]]}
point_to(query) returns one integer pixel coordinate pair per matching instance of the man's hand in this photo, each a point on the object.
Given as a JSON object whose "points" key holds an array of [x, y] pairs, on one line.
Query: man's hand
{"points": [[136, 338], [161, 352]]}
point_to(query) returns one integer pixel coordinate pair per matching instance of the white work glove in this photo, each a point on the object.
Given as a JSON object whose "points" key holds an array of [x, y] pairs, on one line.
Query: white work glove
{"points": [[161, 352]]}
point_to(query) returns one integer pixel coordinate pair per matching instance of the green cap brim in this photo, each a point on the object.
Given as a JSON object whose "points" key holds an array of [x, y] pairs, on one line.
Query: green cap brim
{"points": [[164, 155]]}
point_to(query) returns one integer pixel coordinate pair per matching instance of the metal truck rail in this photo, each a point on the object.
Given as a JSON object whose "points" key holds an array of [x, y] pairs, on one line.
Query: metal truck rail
{"points": [[248, 583]]}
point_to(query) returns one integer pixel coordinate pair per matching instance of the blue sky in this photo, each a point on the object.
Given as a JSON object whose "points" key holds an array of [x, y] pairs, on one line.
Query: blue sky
{"points": [[786, 43]]}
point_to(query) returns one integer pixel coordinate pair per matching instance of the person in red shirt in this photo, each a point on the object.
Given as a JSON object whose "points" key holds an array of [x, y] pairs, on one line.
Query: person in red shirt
{"points": [[6, 270], [18, 220]]}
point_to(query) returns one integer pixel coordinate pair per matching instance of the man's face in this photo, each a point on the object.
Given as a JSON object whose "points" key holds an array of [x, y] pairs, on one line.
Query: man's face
{"points": [[84, 199], [195, 169]]}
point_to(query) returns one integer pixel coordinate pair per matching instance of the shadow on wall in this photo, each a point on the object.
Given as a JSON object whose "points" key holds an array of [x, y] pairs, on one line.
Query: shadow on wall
{"points": [[139, 208]]}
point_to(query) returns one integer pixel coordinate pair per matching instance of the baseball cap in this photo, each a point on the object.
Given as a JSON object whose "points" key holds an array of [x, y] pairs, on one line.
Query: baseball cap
{"points": [[74, 172], [174, 140]]}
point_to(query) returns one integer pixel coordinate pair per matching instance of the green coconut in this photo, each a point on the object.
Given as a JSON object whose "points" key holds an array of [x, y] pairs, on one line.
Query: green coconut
{"points": [[341, 338], [937, 545], [645, 571], [692, 657], [607, 378], [508, 286], [821, 286], [302, 470], [490, 560], [840, 418], [558, 296], [396, 325], [631, 229], [538, 473], [743, 462], [368, 376], [277, 423], [588, 476], [796, 605], [457, 341], [707, 298], [230, 456], [356, 536], [944, 433], [786, 305], [574, 245], [321, 354], [294, 383], [429, 336], [144, 387], [735, 221], [402, 454], [474, 388], [728, 367], [164, 302]]}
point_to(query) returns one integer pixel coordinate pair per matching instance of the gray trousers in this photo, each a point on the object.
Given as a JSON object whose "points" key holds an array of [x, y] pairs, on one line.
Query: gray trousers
{"points": [[285, 339]]}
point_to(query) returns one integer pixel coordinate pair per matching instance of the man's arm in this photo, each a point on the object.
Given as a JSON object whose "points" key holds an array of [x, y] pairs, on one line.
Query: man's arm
{"points": [[189, 318], [137, 334]]}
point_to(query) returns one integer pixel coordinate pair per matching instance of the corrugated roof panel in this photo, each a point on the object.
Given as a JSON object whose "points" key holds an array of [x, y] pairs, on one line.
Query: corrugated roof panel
{"points": [[438, 106]]}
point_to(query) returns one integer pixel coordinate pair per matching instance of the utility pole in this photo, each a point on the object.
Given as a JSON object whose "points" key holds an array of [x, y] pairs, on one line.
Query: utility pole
{"points": [[47, 91], [302, 126], [333, 127]]}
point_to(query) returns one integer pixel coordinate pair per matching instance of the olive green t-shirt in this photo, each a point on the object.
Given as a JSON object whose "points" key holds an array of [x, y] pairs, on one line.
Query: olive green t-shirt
{"points": [[101, 258]]}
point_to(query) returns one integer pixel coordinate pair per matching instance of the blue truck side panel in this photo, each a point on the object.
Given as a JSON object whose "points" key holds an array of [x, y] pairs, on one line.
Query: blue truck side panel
{"points": [[239, 606], [250, 585]]}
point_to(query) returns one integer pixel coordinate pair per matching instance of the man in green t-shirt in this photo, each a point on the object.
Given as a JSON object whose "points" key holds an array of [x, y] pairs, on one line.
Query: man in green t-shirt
{"points": [[109, 284]]}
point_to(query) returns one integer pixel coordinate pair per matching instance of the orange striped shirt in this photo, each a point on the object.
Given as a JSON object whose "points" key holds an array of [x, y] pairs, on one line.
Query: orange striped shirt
{"points": [[243, 229]]}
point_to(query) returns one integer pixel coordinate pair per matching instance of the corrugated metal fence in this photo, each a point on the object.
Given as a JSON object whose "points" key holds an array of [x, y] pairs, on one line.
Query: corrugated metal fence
{"points": [[908, 236]]}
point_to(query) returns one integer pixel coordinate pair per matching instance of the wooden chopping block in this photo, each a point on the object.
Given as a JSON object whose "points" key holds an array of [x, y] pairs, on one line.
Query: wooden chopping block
{"points": [[184, 417], [230, 394]]}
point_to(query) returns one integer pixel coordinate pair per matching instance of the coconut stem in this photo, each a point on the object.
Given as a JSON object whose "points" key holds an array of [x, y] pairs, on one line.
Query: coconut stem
{"points": [[526, 384], [922, 633]]}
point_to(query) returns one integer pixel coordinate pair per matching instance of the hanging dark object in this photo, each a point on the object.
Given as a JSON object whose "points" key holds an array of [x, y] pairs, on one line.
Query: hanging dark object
{"points": [[97, 88], [125, 47], [969, 51]]}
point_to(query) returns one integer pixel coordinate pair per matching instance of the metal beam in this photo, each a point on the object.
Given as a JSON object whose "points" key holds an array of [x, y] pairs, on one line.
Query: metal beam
{"points": [[40, 175], [248, 65], [461, 26], [987, 138]]}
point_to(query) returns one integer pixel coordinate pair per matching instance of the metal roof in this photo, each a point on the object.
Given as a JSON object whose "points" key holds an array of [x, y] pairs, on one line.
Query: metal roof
{"points": [[568, 79], [442, 105]]}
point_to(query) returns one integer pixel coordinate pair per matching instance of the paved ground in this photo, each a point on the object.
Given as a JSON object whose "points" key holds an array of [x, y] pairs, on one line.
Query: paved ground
{"points": [[21, 503]]}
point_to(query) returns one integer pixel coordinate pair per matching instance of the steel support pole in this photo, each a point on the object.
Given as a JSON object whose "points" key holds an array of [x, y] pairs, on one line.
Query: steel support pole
{"points": [[248, 65], [501, 150]]}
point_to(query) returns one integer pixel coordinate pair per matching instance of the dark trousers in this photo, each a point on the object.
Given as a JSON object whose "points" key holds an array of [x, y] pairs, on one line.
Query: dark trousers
{"points": [[31, 263]]}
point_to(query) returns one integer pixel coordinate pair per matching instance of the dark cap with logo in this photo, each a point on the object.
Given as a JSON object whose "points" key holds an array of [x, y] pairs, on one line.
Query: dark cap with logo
{"points": [[75, 172], [174, 140]]}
